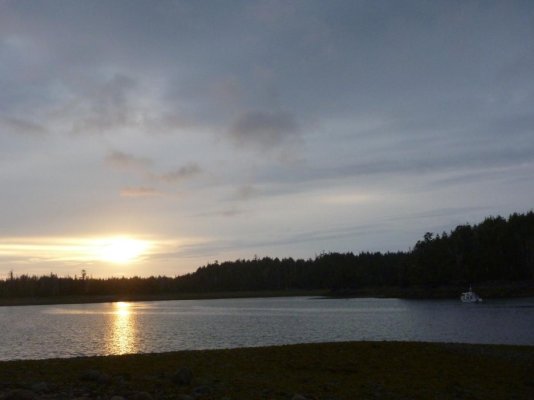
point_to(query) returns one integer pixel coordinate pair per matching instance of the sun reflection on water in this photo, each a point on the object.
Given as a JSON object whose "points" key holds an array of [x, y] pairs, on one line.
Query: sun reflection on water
{"points": [[123, 330]]}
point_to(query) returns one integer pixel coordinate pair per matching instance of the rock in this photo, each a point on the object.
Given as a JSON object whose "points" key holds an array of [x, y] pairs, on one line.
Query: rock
{"points": [[117, 398], [299, 397], [20, 394], [185, 397], [183, 376]]}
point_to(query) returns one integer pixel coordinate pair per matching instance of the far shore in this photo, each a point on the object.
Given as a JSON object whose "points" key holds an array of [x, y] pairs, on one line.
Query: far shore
{"points": [[490, 290], [487, 290], [321, 371], [84, 299]]}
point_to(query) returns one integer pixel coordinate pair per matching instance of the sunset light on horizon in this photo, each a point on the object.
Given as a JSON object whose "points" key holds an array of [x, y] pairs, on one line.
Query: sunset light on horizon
{"points": [[111, 249]]}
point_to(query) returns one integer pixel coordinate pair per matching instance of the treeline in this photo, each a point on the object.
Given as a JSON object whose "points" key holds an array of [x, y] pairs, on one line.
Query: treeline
{"points": [[497, 249]]}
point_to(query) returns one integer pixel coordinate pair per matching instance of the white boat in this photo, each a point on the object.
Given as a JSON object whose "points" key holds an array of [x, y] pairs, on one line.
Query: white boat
{"points": [[470, 297]]}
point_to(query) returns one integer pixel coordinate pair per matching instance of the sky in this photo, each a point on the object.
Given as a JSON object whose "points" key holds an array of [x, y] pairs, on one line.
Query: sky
{"points": [[147, 138]]}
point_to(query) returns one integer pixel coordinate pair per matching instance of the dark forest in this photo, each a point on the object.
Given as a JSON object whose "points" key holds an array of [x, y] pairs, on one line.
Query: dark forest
{"points": [[495, 250]]}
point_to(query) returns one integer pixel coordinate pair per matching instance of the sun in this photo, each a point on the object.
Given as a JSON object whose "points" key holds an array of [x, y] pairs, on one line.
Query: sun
{"points": [[120, 250]]}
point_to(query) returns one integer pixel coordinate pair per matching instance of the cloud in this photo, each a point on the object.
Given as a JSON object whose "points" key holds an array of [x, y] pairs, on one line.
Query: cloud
{"points": [[140, 192], [246, 192], [513, 125], [214, 247], [425, 100], [21, 126], [144, 166], [231, 212], [264, 129], [346, 198], [179, 174], [122, 160], [106, 106]]}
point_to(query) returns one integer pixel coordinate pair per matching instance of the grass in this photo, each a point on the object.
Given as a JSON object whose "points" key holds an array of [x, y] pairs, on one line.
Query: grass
{"points": [[344, 371]]}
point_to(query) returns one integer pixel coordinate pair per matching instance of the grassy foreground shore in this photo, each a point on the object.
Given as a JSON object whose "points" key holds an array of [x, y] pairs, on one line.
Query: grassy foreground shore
{"points": [[335, 371]]}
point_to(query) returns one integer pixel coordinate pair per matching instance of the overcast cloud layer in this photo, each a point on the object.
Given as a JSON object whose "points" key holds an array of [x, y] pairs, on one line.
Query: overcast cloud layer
{"points": [[221, 130]]}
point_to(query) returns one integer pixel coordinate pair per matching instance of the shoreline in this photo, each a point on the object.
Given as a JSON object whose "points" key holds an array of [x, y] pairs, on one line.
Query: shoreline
{"points": [[340, 371], [487, 290], [88, 299]]}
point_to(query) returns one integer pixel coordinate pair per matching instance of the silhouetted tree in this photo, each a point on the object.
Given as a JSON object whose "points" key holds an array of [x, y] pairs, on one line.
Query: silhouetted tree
{"points": [[497, 249]]}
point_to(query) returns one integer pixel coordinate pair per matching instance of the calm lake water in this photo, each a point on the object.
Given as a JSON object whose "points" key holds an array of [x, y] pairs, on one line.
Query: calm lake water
{"points": [[33, 332]]}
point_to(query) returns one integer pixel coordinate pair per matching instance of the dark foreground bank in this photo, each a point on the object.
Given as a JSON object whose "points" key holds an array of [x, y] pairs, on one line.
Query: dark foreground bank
{"points": [[355, 370]]}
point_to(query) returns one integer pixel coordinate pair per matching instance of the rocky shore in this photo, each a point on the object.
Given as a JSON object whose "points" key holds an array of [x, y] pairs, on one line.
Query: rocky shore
{"points": [[327, 371]]}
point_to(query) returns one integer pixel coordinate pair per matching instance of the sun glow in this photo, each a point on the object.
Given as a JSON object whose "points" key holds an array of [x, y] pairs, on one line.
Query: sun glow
{"points": [[84, 251], [120, 250]]}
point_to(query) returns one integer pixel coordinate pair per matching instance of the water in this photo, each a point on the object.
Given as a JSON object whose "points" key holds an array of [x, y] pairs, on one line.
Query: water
{"points": [[33, 332]]}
